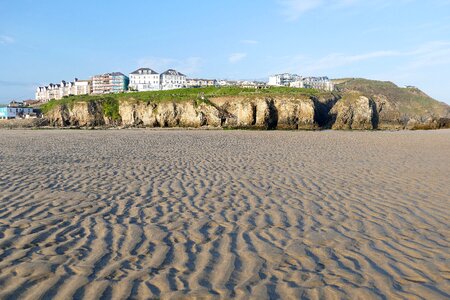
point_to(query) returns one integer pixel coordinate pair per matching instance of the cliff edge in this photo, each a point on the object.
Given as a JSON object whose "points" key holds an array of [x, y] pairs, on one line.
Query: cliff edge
{"points": [[356, 105]]}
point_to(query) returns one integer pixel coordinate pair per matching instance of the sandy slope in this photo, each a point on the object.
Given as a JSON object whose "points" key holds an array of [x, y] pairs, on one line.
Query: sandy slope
{"points": [[226, 214]]}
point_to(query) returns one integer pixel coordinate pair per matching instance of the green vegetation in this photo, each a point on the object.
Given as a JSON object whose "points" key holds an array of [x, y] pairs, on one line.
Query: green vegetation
{"points": [[409, 100], [111, 108], [111, 102]]}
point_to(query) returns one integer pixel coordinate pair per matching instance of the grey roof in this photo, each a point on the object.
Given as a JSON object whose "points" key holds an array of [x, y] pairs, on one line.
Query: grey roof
{"points": [[144, 71], [110, 74], [118, 74], [173, 72]]}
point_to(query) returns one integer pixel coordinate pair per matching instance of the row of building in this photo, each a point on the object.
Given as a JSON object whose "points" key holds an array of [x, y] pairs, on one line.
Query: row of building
{"points": [[146, 79], [296, 81], [143, 79]]}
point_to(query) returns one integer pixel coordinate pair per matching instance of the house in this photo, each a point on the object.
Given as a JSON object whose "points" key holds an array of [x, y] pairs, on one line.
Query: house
{"points": [[108, 83], [253, 84], [63, 89], [284, 79], [82, 87], [172, 79], [53, 91], [7, 112], [318, 83], [119, 82], [66, 89], [195, 82], [49, 92], [15, 110], [144, 79], [297, 84], [225, 82], [296, 81], [30, 102]]}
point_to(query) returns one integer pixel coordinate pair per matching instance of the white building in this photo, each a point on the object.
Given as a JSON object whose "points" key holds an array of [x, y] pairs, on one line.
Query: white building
{"points": [[296, 81], [58, 91], [318, 83], [66, 89], [48, 92], [197, 82], [83, 87], [297, 84], [172, 79], [284, 79], [144, 79]]}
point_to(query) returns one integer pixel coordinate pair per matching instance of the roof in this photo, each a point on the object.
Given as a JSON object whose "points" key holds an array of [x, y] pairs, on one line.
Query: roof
{"points": [[142, 71], [117, 74], [172, 72], [110, 74], [201, 79]]}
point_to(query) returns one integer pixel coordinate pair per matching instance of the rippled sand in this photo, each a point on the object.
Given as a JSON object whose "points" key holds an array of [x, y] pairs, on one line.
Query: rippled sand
{"points": [[225, 214]]}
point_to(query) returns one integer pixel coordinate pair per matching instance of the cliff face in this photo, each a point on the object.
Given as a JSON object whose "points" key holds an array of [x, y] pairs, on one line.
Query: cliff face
{"points": [[348, 110], [83, 114], [168, 114], [398, 108], [353, 111], [268, 112]]}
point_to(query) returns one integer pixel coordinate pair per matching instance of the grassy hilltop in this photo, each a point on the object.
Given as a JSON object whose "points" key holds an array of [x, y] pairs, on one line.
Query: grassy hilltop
{"points": [[409, 100]]}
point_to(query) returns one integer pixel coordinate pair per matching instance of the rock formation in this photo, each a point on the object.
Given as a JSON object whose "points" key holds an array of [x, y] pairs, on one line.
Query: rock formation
{"points": [[356, 105], [353, 111]]}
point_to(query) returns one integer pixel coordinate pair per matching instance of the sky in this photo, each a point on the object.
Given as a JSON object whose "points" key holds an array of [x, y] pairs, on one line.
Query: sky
{"points": [[404, 41]]}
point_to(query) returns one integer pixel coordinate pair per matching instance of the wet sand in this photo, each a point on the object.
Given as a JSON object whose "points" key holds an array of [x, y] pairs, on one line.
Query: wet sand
{"points": [[224, 214]]}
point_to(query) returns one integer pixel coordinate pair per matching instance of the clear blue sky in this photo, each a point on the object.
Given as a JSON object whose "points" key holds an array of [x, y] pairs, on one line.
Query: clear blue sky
{"points": [[404, 41]]}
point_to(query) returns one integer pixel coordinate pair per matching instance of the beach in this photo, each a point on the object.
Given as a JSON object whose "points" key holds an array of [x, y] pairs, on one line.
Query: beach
{"points": [[175, 214]]}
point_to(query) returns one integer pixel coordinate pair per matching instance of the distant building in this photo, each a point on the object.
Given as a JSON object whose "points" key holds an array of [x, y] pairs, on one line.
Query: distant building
{"points": [[101, 84], [144, 79], [284, 79], [253, 84], [195, 82], [108, 83], [15, 110], [297, 84], [49, 92], [66, 89], [82, 87], [172, 79], [58, 91], [30, 102], [318, 83], [296, 81], [16, 104], [120, 82], [225, 82], [7, 113]]}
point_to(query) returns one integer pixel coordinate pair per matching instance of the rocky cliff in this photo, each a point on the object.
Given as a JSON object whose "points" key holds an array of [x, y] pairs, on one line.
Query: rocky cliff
{"points": [[348, 109], [227, 112], [353, 111], [398, 108]]}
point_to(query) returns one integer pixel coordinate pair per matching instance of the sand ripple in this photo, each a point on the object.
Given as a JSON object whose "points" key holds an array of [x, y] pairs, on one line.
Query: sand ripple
{"points": [[216, 214]]}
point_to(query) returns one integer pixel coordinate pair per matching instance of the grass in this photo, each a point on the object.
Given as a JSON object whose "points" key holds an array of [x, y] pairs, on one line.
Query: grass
{"points": [[111, 109], [410, 101], [111, 101]]}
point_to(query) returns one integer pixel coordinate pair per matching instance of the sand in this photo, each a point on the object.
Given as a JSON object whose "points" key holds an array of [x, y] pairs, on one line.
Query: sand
{"points": [[224, 214]]}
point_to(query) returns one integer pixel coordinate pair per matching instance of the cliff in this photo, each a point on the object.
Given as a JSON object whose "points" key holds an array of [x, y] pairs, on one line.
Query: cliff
{"points": [[349, 108], [398, 108], [230, 112]]}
